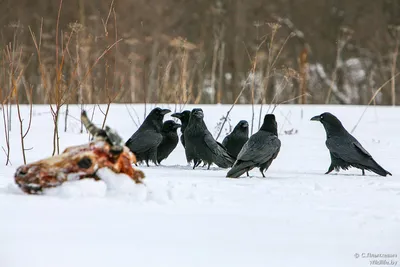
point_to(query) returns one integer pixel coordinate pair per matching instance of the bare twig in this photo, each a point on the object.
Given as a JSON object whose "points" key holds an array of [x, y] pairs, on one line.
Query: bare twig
{"points": [[394, 64], [272, 59], [22, 133], [372, 99], [108, 17], [6, 115], [289, 100], [130, 115], [230, 109]]}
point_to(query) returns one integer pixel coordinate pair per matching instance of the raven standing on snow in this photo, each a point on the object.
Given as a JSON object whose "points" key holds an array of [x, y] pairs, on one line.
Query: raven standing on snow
{"points": [[144, 142], [237, 138], [184, 118], [201, 145], [345, 150], [170, 140], [259, 151]]}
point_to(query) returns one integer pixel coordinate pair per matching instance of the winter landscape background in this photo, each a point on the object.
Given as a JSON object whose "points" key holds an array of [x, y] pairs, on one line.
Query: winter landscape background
{"points": [[200, 51], [118, 59]]}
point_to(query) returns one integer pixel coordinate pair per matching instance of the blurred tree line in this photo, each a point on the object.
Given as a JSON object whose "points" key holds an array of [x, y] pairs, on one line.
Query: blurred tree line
{"points": [[200, 51]]}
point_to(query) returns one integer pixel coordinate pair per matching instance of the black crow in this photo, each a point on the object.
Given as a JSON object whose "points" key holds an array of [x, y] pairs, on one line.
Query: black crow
{"points": [[170, 140], [201, 145], [184, 118], [144, 142], [259, 151], [237, 138], [345, 150]]}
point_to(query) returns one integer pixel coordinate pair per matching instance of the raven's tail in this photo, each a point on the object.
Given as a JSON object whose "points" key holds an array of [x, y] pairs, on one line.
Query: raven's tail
{"points": [[240, 168], [223, 159], [376, 168]]}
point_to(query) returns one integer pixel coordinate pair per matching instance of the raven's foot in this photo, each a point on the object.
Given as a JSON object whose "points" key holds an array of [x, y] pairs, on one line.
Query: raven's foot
{"points": [[330, 169], [363, 172]]}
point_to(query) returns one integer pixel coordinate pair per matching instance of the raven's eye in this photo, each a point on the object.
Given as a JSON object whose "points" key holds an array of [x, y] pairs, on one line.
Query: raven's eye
{"points": [[85, 163], [321, 117]]}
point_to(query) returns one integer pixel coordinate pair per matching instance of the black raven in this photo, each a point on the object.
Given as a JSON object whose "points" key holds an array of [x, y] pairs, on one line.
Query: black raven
{"points": [[170, 140], [144, 142], [345, 150], [184, 118], [201, 145], [237, 138], [259, 151]]}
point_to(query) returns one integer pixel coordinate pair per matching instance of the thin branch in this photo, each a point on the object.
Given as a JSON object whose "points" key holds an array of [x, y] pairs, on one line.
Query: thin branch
{"points": [[230, 109], [372, 99]]}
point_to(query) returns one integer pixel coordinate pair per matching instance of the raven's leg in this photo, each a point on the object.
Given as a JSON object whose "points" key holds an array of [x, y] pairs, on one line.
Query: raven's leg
{"points": [[198, 163], [262, 172], [147, 163], [330, 169], [194, 163], [204, 164], [247, 174], [363, 172], [208, 166]]}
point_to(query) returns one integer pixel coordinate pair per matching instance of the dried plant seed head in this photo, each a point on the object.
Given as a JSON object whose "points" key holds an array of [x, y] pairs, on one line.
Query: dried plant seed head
{"points": [[258, 24], [16, 25], [75, 27], [274, 26], [290, 73]]}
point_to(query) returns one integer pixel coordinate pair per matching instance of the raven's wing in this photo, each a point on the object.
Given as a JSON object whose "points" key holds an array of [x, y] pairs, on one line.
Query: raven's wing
{"points": [[351, 151], [361, 149], [213, 145], [347, 149], [225, 141], [221, 156], [221, 145], [260, 148], [144, 140]]}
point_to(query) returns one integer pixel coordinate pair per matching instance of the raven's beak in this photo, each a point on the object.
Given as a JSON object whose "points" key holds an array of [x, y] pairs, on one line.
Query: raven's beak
{"points": [[176, 126], [165, 111], [316, 118], [177, 115]]}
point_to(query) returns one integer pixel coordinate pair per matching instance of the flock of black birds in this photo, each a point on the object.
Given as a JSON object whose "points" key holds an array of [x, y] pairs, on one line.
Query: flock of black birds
{"points": [[155, 140]]}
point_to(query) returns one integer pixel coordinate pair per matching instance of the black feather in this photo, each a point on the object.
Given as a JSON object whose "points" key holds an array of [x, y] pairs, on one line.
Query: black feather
{"points": [[184, 117], [144, 142], [170, 140], [259, 151], [201, 145], [345, 150], [237, 138]]}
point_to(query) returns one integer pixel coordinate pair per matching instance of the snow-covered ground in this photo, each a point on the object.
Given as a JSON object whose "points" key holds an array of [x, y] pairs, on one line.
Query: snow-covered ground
{"points": [[297, 216]]}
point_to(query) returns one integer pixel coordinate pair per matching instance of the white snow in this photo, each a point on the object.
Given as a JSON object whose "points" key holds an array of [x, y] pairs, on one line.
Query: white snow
{"points": [[297, 216]]}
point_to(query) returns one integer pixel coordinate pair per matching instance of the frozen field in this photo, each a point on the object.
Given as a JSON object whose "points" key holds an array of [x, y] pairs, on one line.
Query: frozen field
{"points": [[297, 216]]}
